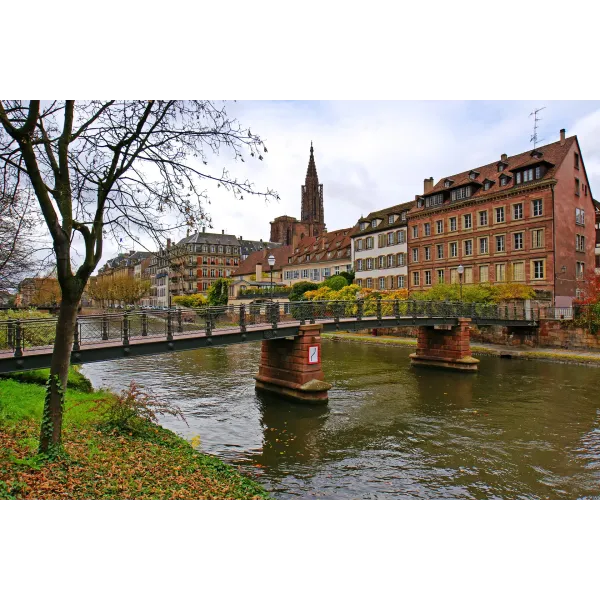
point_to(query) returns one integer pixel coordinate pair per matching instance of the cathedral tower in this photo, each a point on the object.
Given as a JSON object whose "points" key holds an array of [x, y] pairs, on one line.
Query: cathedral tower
{"points": [[312, 198]]}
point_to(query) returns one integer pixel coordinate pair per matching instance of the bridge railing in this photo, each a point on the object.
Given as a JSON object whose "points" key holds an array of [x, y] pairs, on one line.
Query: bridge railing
{"points": [[19, 336]]}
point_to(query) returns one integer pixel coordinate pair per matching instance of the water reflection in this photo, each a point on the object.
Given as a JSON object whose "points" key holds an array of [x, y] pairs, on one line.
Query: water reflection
{"points": [[516, 429]]}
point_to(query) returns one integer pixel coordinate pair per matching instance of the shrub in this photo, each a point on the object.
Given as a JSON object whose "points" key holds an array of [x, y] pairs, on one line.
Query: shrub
{"points": [[190, 301], [218, 292], [483, 293], [133, 409], [264, 291], [348, 276], [299, 289], [337, 282]]}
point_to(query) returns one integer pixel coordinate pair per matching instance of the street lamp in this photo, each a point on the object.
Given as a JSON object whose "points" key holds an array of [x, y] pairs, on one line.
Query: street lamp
{"points": [[460, 270], [271, 261]]}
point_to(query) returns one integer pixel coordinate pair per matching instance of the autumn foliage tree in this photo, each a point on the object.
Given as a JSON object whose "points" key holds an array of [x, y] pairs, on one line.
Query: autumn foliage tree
{"points": [[114, 167], [121, 289]]}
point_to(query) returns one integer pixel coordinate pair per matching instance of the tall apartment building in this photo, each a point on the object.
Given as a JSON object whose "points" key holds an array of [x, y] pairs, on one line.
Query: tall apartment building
{"points": [[526, 218], [597, 265], [379, 248]]}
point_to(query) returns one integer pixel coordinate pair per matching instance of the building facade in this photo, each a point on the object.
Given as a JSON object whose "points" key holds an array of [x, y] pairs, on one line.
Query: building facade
{"points": [[527, 218], [319, 257], [288, 230], [379, 248]]}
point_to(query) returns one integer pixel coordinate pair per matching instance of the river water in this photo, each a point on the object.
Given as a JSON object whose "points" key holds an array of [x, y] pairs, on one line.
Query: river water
{"points": [[516, 429]]}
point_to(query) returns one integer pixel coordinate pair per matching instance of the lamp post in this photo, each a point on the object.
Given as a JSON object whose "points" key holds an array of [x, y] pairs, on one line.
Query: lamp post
{"points": [[271, 261], [460, 270]]}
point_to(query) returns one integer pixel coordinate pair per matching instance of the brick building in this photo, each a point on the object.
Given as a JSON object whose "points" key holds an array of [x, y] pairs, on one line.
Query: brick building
{"points": [[597, 265], [527, 218], [379, 248], [319, 257], [288, 230]]}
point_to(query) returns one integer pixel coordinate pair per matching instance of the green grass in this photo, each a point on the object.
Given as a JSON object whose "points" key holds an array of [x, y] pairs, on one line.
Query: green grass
{"points": [[76, 380], [153, 463]]}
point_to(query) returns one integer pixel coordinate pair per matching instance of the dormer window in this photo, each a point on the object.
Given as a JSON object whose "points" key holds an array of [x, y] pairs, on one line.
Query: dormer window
{"points": [[403, 215], [447, 183], [536, 154], [501, 167], [473, 175], [503, 180], [374, 223], [461, 193], [362, 226], [435, 200], [391, 219], [487, 184]]}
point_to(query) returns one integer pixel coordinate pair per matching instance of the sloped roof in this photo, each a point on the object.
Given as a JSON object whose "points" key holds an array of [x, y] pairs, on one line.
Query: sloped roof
{"points": [[249, 246], [553, 154], [248, 266], [383, 214], [199, 237], [329, 246]]}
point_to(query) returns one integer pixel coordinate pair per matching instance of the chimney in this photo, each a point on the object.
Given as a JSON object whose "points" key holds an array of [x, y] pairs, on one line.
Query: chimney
{"points": [[188, 232], [503, 157], [222, 232], [204, 230], [258, 271], [427, 185], [168, 243], [562, 137]]}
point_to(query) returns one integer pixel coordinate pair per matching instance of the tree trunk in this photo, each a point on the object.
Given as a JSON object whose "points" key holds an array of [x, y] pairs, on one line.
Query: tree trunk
{"points": [[50, 436]]}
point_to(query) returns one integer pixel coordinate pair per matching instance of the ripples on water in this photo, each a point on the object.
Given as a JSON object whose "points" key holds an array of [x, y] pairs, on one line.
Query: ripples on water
{"points": [[517, 429]]}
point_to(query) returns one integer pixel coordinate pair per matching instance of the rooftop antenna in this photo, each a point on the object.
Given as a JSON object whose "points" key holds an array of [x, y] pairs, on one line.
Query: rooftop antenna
{"points": [[534, 138]]}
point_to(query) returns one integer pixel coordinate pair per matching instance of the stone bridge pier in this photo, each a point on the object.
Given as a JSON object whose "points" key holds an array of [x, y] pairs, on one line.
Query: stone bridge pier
{"points": [[291, 367], [445, 346]]}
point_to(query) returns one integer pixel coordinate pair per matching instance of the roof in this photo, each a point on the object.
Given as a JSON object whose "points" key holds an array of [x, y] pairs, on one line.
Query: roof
{"points": [[248, 266], [329, 246], [201, 237], [249, 246], [383, 214], [553, 154]]}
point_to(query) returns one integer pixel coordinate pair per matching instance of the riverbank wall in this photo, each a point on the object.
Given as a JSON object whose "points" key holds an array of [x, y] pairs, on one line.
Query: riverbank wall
{"points": [[562, 335]]}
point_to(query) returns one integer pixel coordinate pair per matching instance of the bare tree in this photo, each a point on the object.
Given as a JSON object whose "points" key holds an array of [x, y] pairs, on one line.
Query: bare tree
{"points": [[113, 166], [17, 258]]}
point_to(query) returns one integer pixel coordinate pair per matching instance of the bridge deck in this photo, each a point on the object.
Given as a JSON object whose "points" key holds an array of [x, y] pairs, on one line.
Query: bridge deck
{"points": [[109, 337]]}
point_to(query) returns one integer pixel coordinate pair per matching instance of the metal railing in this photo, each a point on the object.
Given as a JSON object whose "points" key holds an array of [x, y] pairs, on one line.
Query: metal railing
{"points": [[19, 336]]}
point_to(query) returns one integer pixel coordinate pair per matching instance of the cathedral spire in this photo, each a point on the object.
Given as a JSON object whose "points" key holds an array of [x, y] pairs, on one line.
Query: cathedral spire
{"points": [[312, 198], [312, 168]]}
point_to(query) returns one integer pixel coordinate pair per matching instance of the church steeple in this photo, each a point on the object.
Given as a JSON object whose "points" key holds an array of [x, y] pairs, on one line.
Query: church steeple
{"points": [[312, 198]]}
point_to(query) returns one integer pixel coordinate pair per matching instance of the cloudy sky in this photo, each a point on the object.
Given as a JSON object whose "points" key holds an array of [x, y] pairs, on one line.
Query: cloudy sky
{"points": [[370, 155]]}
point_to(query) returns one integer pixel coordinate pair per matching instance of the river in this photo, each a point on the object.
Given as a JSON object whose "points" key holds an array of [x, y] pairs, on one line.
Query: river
{"points": [[516, 429]]}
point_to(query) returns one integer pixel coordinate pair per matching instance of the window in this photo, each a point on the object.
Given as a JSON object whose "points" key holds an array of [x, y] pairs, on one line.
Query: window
{"points": [[580, 243], [434, 200], [453, 224], [447, 183], [390, 219], [527, 175], [391, 238], [304, 274], [580, 270], [416, 278], [369, 283], [483, 245], [518, 271], [381, 262], [415, 255], [440, 250], [538, 172], [576, 186], [538, 269], [467, 222], [390, 261], [473, 175], [374, 223], [415, 231], [483, 218], [220, 249], [359, 264], [427, 277], [427, 252], [400, 259], [537, 238], [381, 240], [401, 281], [212, 249], [336, 270], [440, 275], [576, 156], [460, 193], [536, 208], [362, 226], [517, 211], [369, 242], [426, 228], [518, 241], [500, 243], [359, 245], [501, 167], [453, 275], [369, 264], [487, 185], [453, 249], [500, 273], [468, 274], [401, 236], [579, 216], [499, 214], [484, 273], [468, 247], [382, 283], [326, 273], [503, 179]]}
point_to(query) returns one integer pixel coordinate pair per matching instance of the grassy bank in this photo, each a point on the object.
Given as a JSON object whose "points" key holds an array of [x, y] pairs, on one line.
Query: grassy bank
{"points": [[100, 463], [574, 356]]}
